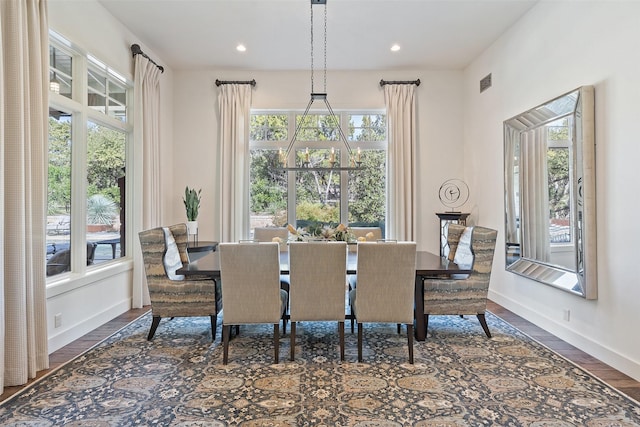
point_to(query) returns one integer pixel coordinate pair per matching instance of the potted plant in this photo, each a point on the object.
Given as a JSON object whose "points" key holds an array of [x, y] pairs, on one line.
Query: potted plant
{"points": [[101, 212], [191, 201]]}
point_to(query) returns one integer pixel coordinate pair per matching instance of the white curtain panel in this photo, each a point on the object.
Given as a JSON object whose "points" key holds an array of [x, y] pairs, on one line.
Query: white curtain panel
{"points": [[511, 147], [24, 93], [401, 186], [535, 195], [234, 101], [146, 94]]}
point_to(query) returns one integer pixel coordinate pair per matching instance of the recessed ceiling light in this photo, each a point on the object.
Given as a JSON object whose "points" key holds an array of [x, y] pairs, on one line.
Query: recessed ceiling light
{"points": [[395, 48], [241, 48]]}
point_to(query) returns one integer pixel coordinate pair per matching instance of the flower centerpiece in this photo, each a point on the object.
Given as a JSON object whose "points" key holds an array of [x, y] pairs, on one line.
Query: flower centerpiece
{"points": [[325, 232]]}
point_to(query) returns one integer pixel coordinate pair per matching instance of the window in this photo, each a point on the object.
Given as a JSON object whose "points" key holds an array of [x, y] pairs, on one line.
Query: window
{"points": [[279, 197], [88, 134], [559, 181]]}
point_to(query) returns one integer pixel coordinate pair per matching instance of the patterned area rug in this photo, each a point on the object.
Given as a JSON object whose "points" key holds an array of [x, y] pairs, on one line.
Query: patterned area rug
{"points": [[460, 378]]}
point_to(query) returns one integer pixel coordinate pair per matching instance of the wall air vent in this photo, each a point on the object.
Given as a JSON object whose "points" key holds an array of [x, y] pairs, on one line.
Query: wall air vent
{"points": [[485, 83]]}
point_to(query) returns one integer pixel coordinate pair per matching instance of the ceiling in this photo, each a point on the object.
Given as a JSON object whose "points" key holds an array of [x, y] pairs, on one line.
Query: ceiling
{"points": [[441, 34]]}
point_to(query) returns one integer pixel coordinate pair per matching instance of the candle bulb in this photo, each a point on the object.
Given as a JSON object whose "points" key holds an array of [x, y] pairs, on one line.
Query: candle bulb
{"points": [[358, 156], [282, 157], [332, 158], [306, 155]]}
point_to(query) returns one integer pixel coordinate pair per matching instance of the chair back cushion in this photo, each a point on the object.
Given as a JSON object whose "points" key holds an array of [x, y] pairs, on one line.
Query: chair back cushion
{"points": [[317, 273], [463, 254], [180, 236], [250, 274], [171, 259], [386, 282]]}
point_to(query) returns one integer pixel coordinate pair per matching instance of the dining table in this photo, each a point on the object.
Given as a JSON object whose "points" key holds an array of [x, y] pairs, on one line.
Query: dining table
{"points": [[428, 264]]}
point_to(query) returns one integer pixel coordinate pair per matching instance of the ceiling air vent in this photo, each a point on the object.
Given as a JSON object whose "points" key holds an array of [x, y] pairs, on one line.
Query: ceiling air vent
{"points": [[485, 83]]}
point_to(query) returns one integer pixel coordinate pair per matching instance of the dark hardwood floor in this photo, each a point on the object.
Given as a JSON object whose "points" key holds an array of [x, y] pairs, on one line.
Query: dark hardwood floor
{"points": [[606, 373]]}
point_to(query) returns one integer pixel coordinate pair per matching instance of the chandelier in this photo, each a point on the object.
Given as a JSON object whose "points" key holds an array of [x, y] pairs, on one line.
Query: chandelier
{"points": [[283, 155]]}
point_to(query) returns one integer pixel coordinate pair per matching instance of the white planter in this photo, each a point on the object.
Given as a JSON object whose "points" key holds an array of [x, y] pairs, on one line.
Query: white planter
{"points": [[192, 227]]}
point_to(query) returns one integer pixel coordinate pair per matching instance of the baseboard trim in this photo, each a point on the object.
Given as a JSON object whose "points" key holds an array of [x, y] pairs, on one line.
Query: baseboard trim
{"points": [[72, 333], [578, 340]]}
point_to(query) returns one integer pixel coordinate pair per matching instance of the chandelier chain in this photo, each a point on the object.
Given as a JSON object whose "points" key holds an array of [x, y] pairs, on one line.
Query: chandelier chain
{"points": [[312, 47], [325, 48]]}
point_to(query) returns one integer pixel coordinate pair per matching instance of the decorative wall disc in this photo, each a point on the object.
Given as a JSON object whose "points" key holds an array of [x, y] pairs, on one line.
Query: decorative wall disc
{"points": [[454, 193]]}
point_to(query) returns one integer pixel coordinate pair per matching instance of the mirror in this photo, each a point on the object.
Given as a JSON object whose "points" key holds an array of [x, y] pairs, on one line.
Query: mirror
{"points": [[550, 216]]}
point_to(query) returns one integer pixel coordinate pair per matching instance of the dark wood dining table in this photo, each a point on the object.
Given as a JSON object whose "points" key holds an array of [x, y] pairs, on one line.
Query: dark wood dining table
{"points": [[427, 265]]}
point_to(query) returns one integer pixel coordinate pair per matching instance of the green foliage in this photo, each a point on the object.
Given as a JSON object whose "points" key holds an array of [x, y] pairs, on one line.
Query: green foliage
{"points": [[105, 161], [317, 212], [559, 191], [191, 201], [100, 210]]}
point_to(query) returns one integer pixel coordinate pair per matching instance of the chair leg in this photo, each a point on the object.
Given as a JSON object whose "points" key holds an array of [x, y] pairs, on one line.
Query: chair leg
{"points": [[154, 325], [226, 331], [410, 341], [214, 326], [341, 334], [399, 327], [483, 322], [292, 337], [360, 327], [276, 342], [426, 325]]}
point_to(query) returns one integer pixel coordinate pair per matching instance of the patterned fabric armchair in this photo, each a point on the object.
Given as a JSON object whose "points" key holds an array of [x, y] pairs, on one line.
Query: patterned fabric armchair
{"points": [[466, 294], [164, 250]]}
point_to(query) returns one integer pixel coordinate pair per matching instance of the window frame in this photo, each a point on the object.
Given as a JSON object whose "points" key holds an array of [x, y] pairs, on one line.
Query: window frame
{"points": [[300, 144], [81, 114]]}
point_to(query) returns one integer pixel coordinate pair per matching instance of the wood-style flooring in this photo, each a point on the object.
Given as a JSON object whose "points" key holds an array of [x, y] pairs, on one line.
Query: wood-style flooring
{"points": [[606, 373]]}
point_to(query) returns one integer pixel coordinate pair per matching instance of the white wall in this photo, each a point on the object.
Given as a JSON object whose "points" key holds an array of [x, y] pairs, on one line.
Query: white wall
{"points": [[88, 302], [555, 48], [196, 129]]}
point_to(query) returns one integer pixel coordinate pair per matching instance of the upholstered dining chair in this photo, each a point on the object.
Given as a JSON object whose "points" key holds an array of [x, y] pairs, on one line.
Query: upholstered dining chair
{"points": [[386, 287], [268, 234], [466, 294], [372, 234], [163, 252], [318, 283], [251, 294]]}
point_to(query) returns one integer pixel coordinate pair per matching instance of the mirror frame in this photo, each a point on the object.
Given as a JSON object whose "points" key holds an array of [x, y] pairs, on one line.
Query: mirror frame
{"points": [[583, 280]]}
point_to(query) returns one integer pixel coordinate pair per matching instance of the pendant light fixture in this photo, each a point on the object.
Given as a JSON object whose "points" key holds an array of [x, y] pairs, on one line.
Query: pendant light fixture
{"points": [[54, 83], [354, 158]]}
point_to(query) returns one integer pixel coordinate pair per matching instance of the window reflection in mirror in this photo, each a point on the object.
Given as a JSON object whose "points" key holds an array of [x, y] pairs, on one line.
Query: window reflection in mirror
{"points": [[550, 194]]}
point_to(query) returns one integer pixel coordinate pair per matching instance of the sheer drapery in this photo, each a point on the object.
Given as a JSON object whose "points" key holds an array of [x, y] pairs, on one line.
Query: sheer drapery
{"points": [[401, 188], [535, 195], [24, 92], [146, 93], [234, 102]]}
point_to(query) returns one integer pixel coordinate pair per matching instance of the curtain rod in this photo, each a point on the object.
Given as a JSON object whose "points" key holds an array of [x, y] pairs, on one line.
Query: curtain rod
{"points": [[230, 82], [135, 50], [402, 82]]}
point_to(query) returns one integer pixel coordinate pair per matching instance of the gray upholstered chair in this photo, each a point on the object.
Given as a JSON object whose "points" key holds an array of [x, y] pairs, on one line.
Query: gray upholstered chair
{"points": [[318, 283], [467, 294], [163, 252], [371, 234], [386, 287], [268, 234], [251, 294]]}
